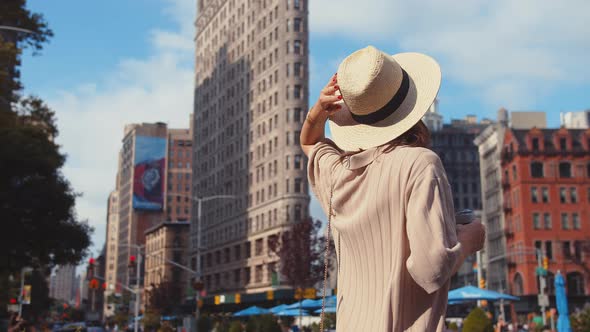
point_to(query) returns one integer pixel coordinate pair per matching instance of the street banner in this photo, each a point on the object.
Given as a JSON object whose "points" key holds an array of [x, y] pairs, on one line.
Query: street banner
{"points": [[149, 170]]}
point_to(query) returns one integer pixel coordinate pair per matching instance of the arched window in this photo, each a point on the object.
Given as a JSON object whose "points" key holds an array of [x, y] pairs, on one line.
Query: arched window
{"points": [[517, 284], [575, 284]]}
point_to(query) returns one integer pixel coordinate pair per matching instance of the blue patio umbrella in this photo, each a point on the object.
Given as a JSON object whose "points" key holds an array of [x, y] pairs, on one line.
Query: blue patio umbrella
{"points": [[278, 308], [328, 310], [306, 304], [563, 322], [292, 313], [471, 293], [252, 311]]}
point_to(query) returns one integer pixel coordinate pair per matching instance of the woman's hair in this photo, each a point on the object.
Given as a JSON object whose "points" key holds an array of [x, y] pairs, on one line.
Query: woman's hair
{"points": [[417, 136]]}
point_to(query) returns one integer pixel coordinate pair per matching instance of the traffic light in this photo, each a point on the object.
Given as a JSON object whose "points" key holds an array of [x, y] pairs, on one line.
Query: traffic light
{"points": [[482, 283], [546, 263], [90, 270], [132, 261], [93, 284], [13, 300]]}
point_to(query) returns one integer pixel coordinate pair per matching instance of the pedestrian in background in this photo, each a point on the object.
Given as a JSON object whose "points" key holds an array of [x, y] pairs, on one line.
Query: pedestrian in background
{"points": [[386, 194]]}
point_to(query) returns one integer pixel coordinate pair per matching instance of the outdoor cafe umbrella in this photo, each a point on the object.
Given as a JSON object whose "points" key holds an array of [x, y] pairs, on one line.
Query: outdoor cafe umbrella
{"points": [[252, 311], [278, 308], [305, 304], [471, 293], [563, 322], [292, 313]]}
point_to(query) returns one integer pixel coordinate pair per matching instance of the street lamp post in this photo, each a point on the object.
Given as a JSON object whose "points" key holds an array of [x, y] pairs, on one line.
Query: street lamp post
{"points": [[200, 201]]}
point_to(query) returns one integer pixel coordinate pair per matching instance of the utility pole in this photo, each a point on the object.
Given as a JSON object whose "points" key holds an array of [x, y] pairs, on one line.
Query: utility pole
{"points": [[137, 275]]}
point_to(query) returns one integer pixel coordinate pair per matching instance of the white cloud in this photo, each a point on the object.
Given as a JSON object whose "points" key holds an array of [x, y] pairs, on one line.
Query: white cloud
{"points": [[508, 50], [91, 116]]}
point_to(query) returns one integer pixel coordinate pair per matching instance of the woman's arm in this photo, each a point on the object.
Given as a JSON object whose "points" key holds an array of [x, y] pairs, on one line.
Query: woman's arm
{"points": [[315, 121]]}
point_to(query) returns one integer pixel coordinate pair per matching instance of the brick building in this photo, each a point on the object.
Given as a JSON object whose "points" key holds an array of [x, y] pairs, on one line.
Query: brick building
{"points": [[179, 179], [546, 187], [165, 242]]}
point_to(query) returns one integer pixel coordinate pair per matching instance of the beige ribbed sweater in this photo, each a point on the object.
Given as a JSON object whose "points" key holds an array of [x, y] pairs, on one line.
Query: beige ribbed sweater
{"points": [[393, 215]]}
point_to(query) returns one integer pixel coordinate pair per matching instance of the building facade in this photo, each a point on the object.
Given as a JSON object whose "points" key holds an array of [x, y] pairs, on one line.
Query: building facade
{"points": [[179, 175], [141, 190], [576, 120], [165, 243], [111, 244], [546, 187], [251, 97], [63, 283]]}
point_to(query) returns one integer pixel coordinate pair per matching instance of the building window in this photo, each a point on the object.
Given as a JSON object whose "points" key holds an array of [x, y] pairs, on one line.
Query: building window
{"points": [[547, 221], [545, 193], [297, 161], [296, 4], [297, 69], [573, 195], [238, 252], [258, 276], [576, 221], [297, 185], [518, 284], [535, 144], [565, 223], [297, 46], [534, 195], [537, 169], [536, 221], [566, 250], [575, 284], [563, 144], [287, 185], [258, 247], [247, 249], [562, 195], [578, 250], [297, 24], [565, 170], [297, 92], [237, 276], [549, 249]]}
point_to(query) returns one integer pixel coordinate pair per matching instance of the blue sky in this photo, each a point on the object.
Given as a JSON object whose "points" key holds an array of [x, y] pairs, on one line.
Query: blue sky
{"points": [[114, 62]]}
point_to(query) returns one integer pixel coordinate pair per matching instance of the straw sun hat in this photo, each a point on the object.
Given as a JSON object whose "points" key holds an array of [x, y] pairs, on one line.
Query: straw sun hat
{"points": [[383, 96]]}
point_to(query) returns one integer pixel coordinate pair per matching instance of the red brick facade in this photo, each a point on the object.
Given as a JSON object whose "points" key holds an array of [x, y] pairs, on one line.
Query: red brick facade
{"points": [[546, 185], [179, 179]]}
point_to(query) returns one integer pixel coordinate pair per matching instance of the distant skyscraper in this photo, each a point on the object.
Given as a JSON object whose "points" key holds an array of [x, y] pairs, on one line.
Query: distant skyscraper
{"points": [[111, 250], [576, 120], [251, 98], [63, 283], [432, 119], [141, 189]]}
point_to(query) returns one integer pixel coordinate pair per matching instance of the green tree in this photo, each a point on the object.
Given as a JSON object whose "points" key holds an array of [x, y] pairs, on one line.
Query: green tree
{"points": [[236, 326], [477, 321], [264, 323], [581, 321], [37, 201], [151, 320], [13, 13]]}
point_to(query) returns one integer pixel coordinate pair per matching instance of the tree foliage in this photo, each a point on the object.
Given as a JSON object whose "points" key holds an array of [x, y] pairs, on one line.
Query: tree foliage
{"points": [[580, 321], [13, 13], [301, 251], [36, 200], [477, 321]]}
